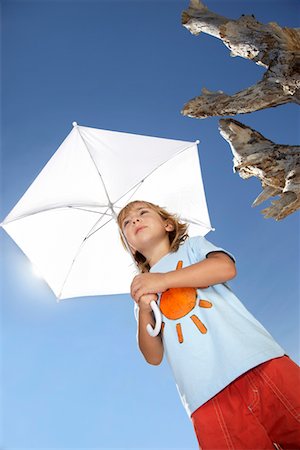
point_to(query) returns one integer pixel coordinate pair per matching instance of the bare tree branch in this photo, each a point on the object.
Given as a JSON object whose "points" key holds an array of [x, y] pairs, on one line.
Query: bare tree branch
{"points": [[277, 166], [271, 46]]}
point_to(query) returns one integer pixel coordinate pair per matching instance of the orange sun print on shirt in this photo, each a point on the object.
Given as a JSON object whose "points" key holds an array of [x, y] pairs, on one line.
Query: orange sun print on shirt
{"points": [[176, 303]]}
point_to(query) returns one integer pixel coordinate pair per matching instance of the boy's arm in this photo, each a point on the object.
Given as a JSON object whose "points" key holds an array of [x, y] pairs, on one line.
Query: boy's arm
{"points": [[217, 268], [151, 347]]}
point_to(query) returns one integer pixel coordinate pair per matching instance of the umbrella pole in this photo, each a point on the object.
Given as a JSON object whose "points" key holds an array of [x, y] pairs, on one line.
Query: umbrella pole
{"points": [[156, 311]]}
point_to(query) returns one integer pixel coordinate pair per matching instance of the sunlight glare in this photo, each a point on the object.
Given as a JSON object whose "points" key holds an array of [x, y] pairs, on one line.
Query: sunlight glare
{"points": [[36, 272]]}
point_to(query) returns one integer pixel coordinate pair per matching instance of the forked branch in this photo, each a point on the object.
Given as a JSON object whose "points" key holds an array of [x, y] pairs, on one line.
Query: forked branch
{"points": [[274, 47], [277, 166]]}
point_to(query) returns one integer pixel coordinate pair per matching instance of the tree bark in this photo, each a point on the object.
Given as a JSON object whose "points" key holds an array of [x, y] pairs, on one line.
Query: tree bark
{"points": [[277, 166], [271, 46]]}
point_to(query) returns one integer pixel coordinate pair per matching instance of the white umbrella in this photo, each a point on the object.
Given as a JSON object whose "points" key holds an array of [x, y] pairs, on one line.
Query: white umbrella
{"points": [[66, 221]]}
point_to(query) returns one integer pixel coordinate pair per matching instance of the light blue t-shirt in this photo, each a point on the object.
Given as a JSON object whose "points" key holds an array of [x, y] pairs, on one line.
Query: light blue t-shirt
{"points": [[209, 337]]}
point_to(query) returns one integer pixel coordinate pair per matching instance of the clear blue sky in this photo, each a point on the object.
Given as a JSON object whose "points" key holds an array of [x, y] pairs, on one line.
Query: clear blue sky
{"points": [[72, 377]]}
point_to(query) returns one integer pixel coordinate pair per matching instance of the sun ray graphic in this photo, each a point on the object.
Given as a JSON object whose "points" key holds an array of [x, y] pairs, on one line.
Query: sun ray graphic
{"points": [[176, 303]]}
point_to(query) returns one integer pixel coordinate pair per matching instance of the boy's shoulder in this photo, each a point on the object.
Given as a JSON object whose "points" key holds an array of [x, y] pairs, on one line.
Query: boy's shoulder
{"points": [[193, 248], [201, 247], [197, 242]]}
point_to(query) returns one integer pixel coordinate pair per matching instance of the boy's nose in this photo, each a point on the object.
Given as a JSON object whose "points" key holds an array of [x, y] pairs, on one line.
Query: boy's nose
{"points": [[136, 220]]}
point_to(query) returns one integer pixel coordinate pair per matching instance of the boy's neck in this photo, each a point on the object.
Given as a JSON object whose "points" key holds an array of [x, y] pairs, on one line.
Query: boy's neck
{"points": [[158, 252]]}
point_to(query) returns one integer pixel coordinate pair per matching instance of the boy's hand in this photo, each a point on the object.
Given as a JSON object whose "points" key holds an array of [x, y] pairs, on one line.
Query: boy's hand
{"points": [[145, 300], [147, 283]]}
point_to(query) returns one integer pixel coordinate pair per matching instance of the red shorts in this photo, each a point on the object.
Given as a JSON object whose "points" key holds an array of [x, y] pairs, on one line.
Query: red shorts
{"points": [[258, 409]]}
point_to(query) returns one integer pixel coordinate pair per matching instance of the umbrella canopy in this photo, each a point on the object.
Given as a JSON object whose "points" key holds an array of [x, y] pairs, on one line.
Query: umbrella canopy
{"points": [[66, 221]]}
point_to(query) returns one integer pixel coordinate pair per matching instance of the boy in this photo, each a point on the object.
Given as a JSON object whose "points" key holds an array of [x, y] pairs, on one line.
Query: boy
{"points": [[237, 385]]}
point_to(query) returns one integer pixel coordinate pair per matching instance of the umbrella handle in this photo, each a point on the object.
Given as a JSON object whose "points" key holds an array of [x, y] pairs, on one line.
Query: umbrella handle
{"points": [[157, 314]]}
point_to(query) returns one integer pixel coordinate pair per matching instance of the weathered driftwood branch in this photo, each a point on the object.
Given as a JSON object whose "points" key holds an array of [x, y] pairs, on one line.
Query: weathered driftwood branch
{"points": [[277, 166], [271, 46]]}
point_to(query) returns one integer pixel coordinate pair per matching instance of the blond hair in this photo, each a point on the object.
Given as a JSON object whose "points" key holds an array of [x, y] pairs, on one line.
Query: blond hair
{"points": [[176, 236]]}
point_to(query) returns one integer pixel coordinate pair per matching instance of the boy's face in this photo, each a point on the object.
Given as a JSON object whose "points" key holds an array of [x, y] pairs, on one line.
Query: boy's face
{"points": [[144, 228]]}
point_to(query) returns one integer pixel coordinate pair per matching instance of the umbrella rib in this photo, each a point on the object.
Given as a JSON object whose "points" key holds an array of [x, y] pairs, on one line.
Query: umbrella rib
{"points": [[70, 268], [101, 178], [110, 203], [92, 211], [79, 250], [137, 185], [50, 208], [169, 159], [197, 222], [95, 231], [90, 234], [82, 244]]}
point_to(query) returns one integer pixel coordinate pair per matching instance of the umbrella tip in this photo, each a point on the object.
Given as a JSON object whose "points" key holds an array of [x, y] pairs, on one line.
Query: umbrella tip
{"points": [[197, 142], [75, 124]]}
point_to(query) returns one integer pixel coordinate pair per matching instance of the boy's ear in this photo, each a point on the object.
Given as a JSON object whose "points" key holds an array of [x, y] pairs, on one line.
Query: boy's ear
{"points": [[169, 226]]}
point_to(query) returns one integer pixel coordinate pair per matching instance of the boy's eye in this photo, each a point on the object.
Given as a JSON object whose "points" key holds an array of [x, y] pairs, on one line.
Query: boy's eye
{"points": [[141, 212]]}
